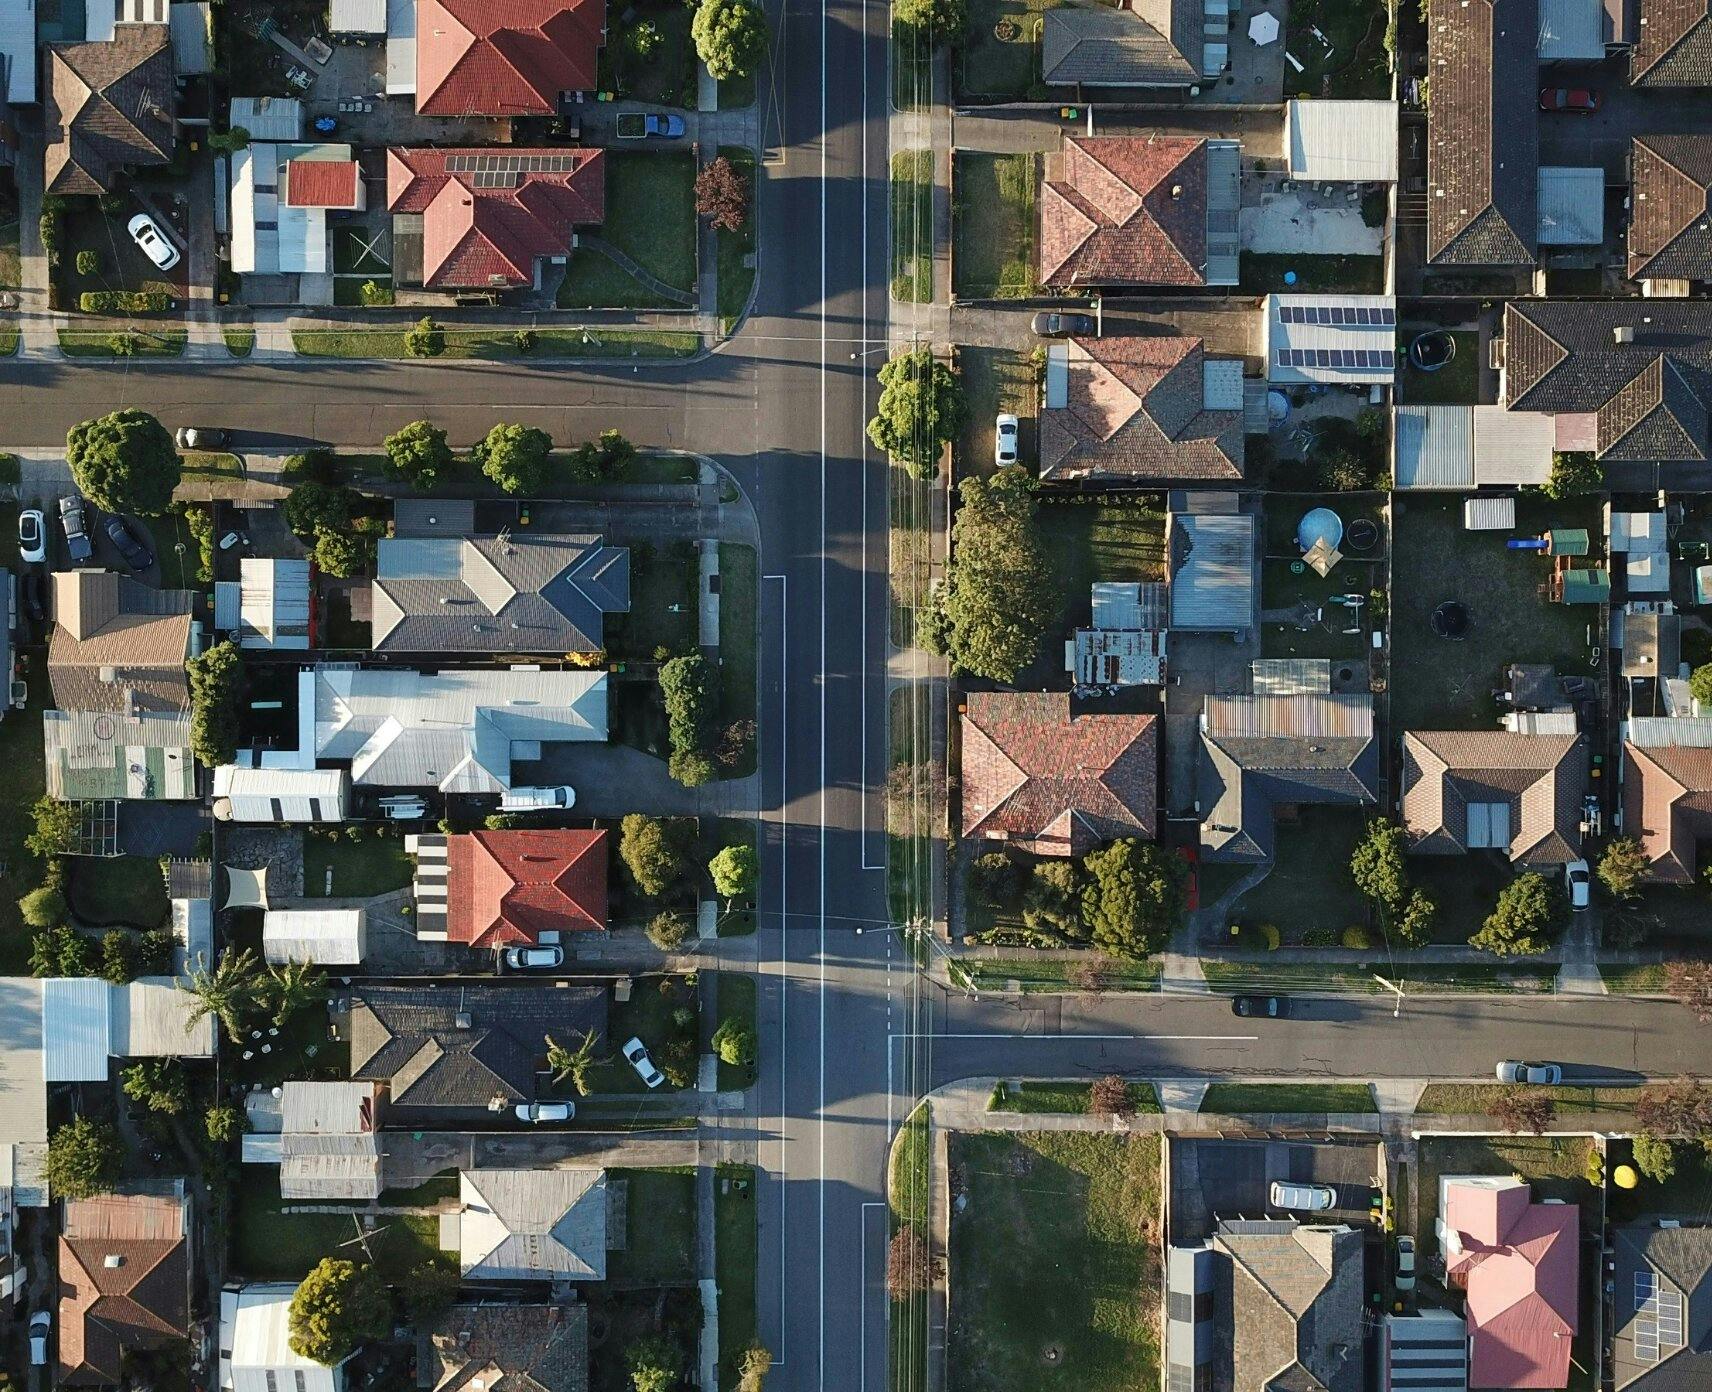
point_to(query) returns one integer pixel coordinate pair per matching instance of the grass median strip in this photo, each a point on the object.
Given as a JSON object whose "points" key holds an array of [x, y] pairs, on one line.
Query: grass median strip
{"points": [[1068, 1097], [1240, 1099], [1473, 1099]]}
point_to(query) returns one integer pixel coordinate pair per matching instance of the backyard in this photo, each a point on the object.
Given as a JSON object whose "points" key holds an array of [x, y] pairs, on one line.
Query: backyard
{"points": [[339, 868], [1309, 889], [650, 57], [1118, 539], [1079, 1213], [1456, 383], [1000, 53], [995, 380], [272, 1244], [1264, 272], [118, 889], [993, 222], [1287, 582], [650, 217], [1341, 49], [1687, 1194]]}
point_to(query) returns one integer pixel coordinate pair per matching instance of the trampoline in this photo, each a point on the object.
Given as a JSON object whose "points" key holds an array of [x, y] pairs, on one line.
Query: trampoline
{"points": [[1432, 350], [1361, 535], [1322, 524], [1451, 620]]}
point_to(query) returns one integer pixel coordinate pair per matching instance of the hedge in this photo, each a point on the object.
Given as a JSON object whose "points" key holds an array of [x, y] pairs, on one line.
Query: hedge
{"points": [[124, 302]]}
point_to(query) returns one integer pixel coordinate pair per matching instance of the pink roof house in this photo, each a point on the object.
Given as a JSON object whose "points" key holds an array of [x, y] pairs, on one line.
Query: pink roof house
{"points": [[1518, 1262]]}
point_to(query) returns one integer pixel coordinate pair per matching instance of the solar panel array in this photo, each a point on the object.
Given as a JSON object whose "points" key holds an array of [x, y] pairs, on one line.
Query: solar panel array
{"points": [[1341, 316], [1368, 359], [499, 163], [1658, 1318]]}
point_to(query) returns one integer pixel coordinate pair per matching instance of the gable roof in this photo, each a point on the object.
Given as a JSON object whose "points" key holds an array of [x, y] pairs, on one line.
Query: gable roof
{"points": [[542, 592], [1539, 779], [505, 57], [1053, 782], [1294, 1320], [507, 887], [532, 1225], [1146, 46], [1482, 189], [1671, 235], [506, 1347], [118, 645], [1661, 1340], [1125, 210], [109, 106], [487, 217], [1667, 806], [124, 1281], [1136, 408], [1673, 47]]}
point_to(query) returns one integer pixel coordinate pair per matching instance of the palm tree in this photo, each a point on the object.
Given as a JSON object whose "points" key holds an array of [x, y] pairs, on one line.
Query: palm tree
{"points": [[228, 991], [289, 988], [573, 1063]]}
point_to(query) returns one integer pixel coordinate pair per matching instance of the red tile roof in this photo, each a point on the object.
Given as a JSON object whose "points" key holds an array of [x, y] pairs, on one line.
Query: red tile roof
{"points": [[1054, 783], [1126, 211], [322, 183], [505, 57], [478, 235], [506, 887], [124, 1283], [1667, 805]]}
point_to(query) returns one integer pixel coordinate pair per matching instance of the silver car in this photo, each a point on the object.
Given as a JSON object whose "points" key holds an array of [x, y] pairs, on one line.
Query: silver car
{"points": [[533, 958], [1306, 1198], [636, 1055], [1539, 1074]]}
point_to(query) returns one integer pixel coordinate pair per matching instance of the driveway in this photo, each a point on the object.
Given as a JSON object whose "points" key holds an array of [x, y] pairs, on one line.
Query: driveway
{"points": [[1602, 137], [1214, 1179], [612, 779]]}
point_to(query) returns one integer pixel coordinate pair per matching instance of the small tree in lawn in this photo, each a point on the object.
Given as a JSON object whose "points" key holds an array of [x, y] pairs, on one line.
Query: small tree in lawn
{"points": [[1377, 866], [734, 1041], [515, 457], [722, 195], [54, 829], [944, 20], [1414, 926], [1520, 925], [417, 454], [1110, 1097], [224, 1123], [730, 37], [1523, 1109], [83, 1159], [1573, 474], [425, 339], [339, 1306], [124, 461], [1622, 866], [1134, 897], [574, 1064], [909, 1265], [1655, 1157], [1690, 981], [652, 1362], [121, 951], [735, 872], [921, 409], [652, 851]]}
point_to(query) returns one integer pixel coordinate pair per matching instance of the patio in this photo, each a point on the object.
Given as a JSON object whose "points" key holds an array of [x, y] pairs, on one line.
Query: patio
{"points": [[1282, 216]]}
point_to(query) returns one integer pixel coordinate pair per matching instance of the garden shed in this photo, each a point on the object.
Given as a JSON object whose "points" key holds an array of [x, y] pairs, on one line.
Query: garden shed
{"points": [[326, 937]]}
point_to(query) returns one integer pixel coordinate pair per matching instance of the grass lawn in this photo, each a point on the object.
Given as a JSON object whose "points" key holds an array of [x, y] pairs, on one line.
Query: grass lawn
{"points": [[202, 465], [1310, 886], [1283, 588], [734, 1251], [735, 279], [912, 67], [648, 1015], [909, 840], [1049, 975], [1444, 685], [1456, 383], [99, 343], [665, 587], [1460, 1099], [995, 380], [738, 615], [11, 275], [660, 1245], [1465, 888], [736, 1002], [1417, 980], [1079, 1212], [1089, 541], [178, 568], [240, 339], [1239, 1099], [1687, 1194], [21, 753], [10, 335], [735, 93], [490, 344], [271, 1244], [374, 865], [117, 889], [1263, 272], [1002, 68], [993, 222], [912, 226], [1639, 979], [1350, 62], [1674, 917], [1065, 1098], [302, 1049], [667, 77], [650, 216], [906, 1195]]}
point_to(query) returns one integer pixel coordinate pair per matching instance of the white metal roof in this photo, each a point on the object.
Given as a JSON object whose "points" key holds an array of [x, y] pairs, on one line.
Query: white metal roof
{"points": [[400, 48], [1512, 448], [191, 29], [1489, 514], [328, 1108], [255, 1348], [1433, 448], [273, 603], [18, 50], [358, 17], [332, 937], [193, 934], [23, 1090], [262, 1148], [279, 794], [1212, 571], [268, 118], [76, 1029], [533, 1224], [1571, 206], [151, 1019], [1341, 141]]}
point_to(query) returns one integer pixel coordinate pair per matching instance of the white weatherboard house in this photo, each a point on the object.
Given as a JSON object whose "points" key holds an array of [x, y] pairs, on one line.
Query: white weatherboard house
{"points": [[255, 1347]]}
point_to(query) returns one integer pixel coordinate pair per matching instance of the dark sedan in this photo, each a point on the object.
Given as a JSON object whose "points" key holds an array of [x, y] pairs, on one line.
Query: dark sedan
{"points": [[137, 555], [1261, 1007], [1054, 325]]}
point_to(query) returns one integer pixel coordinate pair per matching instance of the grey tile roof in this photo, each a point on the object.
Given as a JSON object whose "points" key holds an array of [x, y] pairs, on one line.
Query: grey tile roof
{"points": [[109, 107], [1677, 1263], [507, 1348], [1671, 235], [1673, 47], [1101, 47], [1288, 1304]]}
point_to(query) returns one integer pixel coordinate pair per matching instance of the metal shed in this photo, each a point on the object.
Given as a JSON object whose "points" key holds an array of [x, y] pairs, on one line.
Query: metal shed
{"points": [[1433, 448], [1586, 586], [327, 937], [1341, 141], [279, 794], [1489, 514], [1211, 560]]}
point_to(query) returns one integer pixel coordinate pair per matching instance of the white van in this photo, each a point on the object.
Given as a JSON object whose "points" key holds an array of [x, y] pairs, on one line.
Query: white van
{"points": [[538, 800]]}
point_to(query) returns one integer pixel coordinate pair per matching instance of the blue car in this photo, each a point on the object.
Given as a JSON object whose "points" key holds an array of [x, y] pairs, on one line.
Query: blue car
{"points": [[664, 125]]}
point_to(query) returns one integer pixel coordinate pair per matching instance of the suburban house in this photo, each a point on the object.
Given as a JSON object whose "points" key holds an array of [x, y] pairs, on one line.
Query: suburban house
{"points": [[1046, 779], [1517, 1263], [324, 1136], [124, 1280], [1661, 1308], [474, 1048], [1667, 793], [494, 889], [511, 592], [324, 937], [493, 58], [1264, 1304], [1152, 43], [1520, 795], [108, 107], [282, 193], [485, 219], [1210, 563], [86, 1022], [1140, 409], [94, 756], [521, 1348], [1670, 238], [1261, 752], [118, 645], [531, 1225], [255, 1344], [1131, 210], [1672, 45]]}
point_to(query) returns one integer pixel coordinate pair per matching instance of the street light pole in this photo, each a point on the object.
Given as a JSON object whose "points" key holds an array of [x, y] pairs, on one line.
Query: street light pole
{"points": [[1396, 986]]}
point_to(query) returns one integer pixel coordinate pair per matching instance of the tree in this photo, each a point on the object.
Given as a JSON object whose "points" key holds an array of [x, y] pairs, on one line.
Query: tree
{"points": [[56, 826], [1681, 1107], [158, 1083], [690, 688], [1655, 1157], [1691, 983], [216, 685], [83, 1159], [909, 1264], [691, 767], [574, 1064], [124, 462], [722, 195], [669, 930], [43, 906], [60, 951], [290, 987], [652, 1362], [1700, 685], [430, 1291], [1573, 474], [730, 37], [313, 507], [121, 956], [1110, 1097], [921, 409], [1052, 901], [418, 454], [1523, 1109], [995, 880], [224, 1122], [653, 852], [229, 991], [1134, 897], [1527, 910], [343, 554], [228, 142], [1377, 865], [374, 295], [753, 1367], [735, 871], [88, 262], [943, 20], [1622, 866], [734, 1041], [425, 338], [515, 457], [1414, 926], [998, 595], [339, 1305]]}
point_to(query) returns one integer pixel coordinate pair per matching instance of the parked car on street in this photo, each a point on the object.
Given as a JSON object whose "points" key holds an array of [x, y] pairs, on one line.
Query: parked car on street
{"points": [[636, 1055], [1306, 1198], [533, 958], [1580, 881], [32, 536], [202, 437], [146, 233], [1051, 324], [1575, 99], [40, 1322], [74, 521], [1518, 1071], [1267, 1007], [1405, 1263], [536, 1112], [129, 545], [1005, 439]]}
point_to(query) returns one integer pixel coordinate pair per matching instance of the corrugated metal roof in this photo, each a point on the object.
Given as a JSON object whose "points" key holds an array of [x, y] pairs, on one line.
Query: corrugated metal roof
{"points": [[1489, 514], [23, 1090], [1291, 676], [227, 605], [1212, 572], [193, 935], [95, 755], [421, 517], [1433, 448], [151, 1019], [1571, 29], [1342, 716], [358, 17], [533, 1224], [332, 937], [273, 604], [1540, 722], [1586, 586], [1512, 448], [1297, 334], [268, 118], [328, 1108], [1341, 141], [1663, 731], [280, 794], [76, 1029], [191, 27], [1224, 200], [1571, 206], [18, 50], [262, 1148], [1118, 605], [255, 1328]]}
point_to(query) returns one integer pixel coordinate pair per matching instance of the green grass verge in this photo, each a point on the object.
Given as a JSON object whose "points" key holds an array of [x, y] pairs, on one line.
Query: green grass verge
{"points": [[491, 345], [734, 1253], [1063, 1098], [660, 1245], [99, 343], [737, 1002], [912, 226], [735, 278], [373, 865], [736, 93], [993, 221], [1237, 1099], [204, 465], [739, 583], [909, 791], [21, 755], [10, 337], [1635, 979], [907, 1202], [1052, 975], [1417, 980], [651, 218], [240, 342], [912, 67], [1470, 1099]]}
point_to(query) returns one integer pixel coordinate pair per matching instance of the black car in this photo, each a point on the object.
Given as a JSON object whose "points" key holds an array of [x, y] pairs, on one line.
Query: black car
{"points": [[74, 519], [1261, 1007], [1054, 325], [35, 589], [136, 555]]}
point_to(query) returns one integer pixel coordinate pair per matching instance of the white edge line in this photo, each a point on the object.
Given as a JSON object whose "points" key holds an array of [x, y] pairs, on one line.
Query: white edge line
{"points": [[784, 959]]}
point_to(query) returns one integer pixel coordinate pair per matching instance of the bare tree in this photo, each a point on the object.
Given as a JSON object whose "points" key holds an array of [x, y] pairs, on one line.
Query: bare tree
{"points": [[1110, 1097], [1523, 1109], [1691, 983], [1681, 1107], [910, 1266]]}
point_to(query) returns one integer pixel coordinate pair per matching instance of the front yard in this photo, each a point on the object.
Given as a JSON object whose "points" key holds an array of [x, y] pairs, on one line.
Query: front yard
{"points": [[993, 222], [339, 868], [665, 585], [650, 217], [660, 1240], [995, 380], [1000, 56], [662, 1011], [1309, 889]]}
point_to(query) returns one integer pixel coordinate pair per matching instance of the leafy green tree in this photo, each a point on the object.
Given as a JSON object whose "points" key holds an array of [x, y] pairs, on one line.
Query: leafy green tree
{"points": [[653, 852], [121, 956], [430, 1291], [998, 596], [735, 871], [1134, 898], [1700, 685], [668, 930], [575, 1064], [230, 990], [689, 687], [1527, 910], [691, 767], [945, 20], [224, 1122], [55, 827], [124, 461], [1655, 1157], [515, 457], [158, 1083], [83, 1159], [339, 1306], [313, 507], [1377, 865], [1572, 475], [417, 454], [1414, 926], [43, 906], [1622, 866], [734, 1041], [425, 338], [1052, 901], [216, 689], [615, 450], [995, 880], [343, 554], [730, 36], [61, 951], [286, 989], [229, 141], [921, 409]]}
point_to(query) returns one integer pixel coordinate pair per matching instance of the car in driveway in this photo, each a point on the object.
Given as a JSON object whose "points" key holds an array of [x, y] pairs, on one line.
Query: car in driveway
{"points": [[32, 536], [643, 125], [1573, 99], [74, 522], [1304, 1198], [533, 958], [1405, 1264], [35, 591], [636, 1055], [553, 799], [537, 1112], [146, 233], [1261, 1007], [129, 544], [1005, 430], [1053, 324], [1520, 1071], [1580, 883], [40, 1323], [202, 437]]}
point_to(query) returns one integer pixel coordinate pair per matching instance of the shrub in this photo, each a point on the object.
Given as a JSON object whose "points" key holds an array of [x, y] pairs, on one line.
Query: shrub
{"points": [[425, 339], [653, 851], [909, 1265], [669, 930], [1527, 910], [124, 301], [734, 1041], [1269, 931], [1134, 896], [338, 1306], [994, 879], [1622, 866], [375, 295], [722, 195], [1521, 1108], [83, 1159], [88, 262], [1110, 1097], [1357, 938], [1655, 1157], [42, 907]]}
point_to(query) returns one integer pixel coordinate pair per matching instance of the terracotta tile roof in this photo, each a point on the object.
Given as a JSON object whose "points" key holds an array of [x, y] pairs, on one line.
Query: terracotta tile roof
{"points": [[124, 1282], [506, 887], [1667, 806], [1671, 235], [322, 183], [1540, 779], [481, 228], [109, 106], [1053, 782], [1126, 211], [1674, 45], [505, 57], [118, 644], [1134, 410]]}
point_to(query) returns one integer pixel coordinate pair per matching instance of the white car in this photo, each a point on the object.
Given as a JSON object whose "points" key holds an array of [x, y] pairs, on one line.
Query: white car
{"points": [[1580, 882], [1005, 439], [39, 1323], [560, 799], [32, 536], [146, 233], [1539, 1074], [533, 958], [1308, 1198], [636, 1055], [1405, 1263], [535, 1112]]}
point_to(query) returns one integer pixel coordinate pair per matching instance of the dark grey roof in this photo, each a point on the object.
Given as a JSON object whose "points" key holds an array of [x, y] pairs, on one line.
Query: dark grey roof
{"points": [[1671, 235], [433, 517], [535, 1348], [1096, 46], [1659, 1273], [109, 106], [1674, 45], [513, 593], [1289, 1308]]}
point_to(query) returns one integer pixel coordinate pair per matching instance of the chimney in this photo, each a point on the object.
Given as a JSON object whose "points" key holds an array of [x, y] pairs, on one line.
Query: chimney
{"points": [[1623, 333]]}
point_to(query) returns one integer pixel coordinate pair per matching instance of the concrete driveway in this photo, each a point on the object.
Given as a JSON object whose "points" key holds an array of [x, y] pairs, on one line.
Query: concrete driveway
{"points": [[612, 779]]}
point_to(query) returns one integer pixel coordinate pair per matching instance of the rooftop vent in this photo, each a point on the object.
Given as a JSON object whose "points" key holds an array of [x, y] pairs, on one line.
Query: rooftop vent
{"points": [[462, 1020], [1623, 333], [112, 1261]]}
